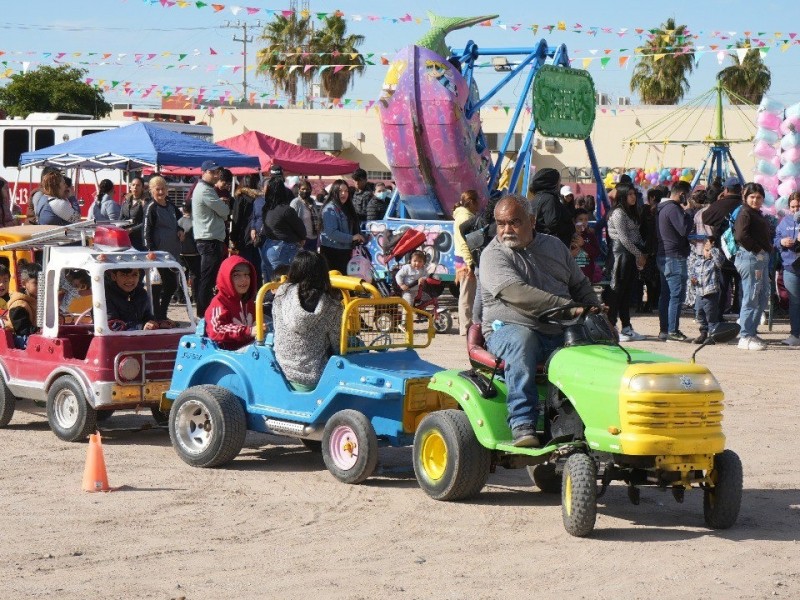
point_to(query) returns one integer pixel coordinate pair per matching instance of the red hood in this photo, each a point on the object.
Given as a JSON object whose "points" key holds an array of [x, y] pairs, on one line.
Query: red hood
{"points": [[225, 284]]}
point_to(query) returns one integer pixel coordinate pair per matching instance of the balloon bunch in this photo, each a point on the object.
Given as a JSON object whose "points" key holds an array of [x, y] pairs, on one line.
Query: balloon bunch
{"points": [[646, 178], [769, 120], [789, 173]]}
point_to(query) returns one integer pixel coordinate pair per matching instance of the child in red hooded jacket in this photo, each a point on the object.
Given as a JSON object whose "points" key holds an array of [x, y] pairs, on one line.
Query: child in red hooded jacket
{"points": [[230, 318]]}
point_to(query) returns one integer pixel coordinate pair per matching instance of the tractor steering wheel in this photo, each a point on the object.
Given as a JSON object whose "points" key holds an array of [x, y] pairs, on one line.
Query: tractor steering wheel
{"points": [[547, 317]]}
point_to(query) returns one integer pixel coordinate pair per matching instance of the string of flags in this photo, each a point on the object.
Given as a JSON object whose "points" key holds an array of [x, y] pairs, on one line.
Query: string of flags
{"points": [[580, 58], [407, 18]]}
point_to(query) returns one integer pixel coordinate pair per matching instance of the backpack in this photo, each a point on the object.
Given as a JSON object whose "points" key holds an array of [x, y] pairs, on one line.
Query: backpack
{"points": [[728, 241]]}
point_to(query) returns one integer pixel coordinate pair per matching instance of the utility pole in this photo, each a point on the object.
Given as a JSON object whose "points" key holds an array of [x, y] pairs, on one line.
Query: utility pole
{"points": [[244, 40]]}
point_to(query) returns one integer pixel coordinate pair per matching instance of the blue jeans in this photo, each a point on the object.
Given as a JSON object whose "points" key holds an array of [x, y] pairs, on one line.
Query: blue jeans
{"points": [[522, 349], [791, 281], [674, 273], [275, 253], [707, 312], [755, 289]]}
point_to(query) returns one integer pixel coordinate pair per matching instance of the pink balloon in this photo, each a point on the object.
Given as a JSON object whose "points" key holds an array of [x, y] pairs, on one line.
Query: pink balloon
{"points": [[768, 120], [775, 160], [764, 150], [772, 190]]}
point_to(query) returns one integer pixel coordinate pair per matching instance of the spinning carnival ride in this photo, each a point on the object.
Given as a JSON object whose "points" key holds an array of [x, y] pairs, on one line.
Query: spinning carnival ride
{"points": [[436, 148]]}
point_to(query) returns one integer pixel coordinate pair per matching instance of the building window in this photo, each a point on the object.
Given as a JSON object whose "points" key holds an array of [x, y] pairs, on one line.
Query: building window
{"points": [[44, 138], [379, 175], [15, 142]]}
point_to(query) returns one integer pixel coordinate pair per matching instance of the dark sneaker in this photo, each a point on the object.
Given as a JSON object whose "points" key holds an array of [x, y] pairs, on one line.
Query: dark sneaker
{"points": [[525, 437], [662, 336], [700, 339], [676, 336]]}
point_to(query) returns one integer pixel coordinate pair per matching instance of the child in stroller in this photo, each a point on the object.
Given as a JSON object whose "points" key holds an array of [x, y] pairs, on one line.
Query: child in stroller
{"points": [[422, 291]]}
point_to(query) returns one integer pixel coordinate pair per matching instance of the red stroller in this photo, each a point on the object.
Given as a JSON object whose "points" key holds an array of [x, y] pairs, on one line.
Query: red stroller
{"points": [[428, 291]]}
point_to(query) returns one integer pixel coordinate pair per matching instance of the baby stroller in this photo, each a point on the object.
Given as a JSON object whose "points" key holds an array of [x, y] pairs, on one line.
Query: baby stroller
{"points": [[428, 290]]}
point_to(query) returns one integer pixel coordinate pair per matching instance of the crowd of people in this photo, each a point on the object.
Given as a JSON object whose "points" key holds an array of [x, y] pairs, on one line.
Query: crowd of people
{"points": [[711, 249]]}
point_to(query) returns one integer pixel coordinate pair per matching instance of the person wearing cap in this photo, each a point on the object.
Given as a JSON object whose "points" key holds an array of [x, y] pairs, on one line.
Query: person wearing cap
{"points": [[568, 200], [209, 214], [362, 195], [716, 216]]}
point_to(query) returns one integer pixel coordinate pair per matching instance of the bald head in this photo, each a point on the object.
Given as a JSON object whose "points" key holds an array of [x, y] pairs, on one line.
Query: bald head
{"points": [[515, 223]]}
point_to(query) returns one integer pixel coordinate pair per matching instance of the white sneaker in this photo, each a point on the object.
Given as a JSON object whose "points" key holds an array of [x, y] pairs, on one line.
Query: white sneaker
{"points": [[629, 335], [791, 341], [755, 343], [744, 343]]}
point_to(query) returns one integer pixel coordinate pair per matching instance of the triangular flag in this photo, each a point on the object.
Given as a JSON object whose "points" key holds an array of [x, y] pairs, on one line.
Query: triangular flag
{"points": [[604, 61], [586, 63], [212, 51], [623, 61], [741, 53], [218, 7]]}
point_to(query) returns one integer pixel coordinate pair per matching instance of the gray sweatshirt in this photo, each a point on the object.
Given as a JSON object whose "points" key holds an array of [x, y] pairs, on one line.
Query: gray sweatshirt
{"points": [[304, 340]]}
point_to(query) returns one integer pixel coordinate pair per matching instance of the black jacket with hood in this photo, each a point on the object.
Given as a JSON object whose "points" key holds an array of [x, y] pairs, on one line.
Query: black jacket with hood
{"points": [[551, 216]]}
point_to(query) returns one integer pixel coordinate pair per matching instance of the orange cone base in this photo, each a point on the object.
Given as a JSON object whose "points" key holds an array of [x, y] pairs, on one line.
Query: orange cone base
{"points": [[95, 478]]}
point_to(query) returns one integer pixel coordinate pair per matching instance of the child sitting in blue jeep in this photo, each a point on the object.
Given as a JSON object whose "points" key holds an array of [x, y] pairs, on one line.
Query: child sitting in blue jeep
{"points": [[230, 317]]}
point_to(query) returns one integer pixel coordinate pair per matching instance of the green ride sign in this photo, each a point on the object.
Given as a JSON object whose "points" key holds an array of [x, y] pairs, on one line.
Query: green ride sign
{"points": [[563, 102]]}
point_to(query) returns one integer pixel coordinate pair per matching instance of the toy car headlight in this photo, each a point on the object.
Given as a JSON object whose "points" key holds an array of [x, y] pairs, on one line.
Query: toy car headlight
{"points": [[129, 368], [674, 383]]}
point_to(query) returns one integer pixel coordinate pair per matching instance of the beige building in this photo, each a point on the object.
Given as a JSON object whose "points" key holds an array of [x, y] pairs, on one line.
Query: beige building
{"points": [[356, 135]]}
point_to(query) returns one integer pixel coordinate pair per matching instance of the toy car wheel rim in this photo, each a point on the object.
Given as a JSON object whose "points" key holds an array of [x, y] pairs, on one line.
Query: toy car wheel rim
{"points": [[193, 427], [434, 455], [344, 447], [66, 409]]}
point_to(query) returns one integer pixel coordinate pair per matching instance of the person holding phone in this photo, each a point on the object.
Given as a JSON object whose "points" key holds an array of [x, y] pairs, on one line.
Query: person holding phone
{"points": [[673, 226]]}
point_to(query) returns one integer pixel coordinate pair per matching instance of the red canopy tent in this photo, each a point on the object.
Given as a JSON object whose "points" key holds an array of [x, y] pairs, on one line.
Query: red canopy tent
{"points": [[295, 160]]}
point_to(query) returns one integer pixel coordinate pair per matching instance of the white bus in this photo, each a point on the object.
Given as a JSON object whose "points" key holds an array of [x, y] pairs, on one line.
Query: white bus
{"points": [[40, 130]]}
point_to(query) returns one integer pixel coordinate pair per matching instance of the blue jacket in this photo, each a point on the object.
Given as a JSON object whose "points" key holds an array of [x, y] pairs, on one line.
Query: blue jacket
{"points": [[336, 232], [788, 227]]}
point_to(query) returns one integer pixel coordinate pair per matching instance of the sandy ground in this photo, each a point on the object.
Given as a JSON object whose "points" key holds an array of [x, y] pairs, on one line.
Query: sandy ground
{"points": [[275, 524]]}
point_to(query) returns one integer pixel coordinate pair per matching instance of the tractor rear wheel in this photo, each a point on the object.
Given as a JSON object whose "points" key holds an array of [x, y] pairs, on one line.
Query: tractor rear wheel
{"points": [[449, 461]]}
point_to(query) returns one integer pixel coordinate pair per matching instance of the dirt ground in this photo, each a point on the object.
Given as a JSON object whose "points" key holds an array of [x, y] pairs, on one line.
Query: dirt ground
{"points": [[275, 523]]}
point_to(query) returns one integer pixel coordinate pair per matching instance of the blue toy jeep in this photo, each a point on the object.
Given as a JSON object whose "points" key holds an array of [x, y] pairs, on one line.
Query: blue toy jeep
{"points": [[373, 392]]}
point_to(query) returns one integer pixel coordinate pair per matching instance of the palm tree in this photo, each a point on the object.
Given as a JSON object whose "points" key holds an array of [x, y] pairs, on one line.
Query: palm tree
{"points": [[282, 60], [667, 58], [336, 47], [748, 79]]}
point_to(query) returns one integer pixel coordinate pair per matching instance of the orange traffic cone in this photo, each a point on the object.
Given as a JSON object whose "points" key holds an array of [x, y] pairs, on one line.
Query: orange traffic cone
{"points": [[95, 478]]}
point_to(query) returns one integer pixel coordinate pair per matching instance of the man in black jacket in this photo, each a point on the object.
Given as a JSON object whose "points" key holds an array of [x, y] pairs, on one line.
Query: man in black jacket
{"points": [[551, 216]]}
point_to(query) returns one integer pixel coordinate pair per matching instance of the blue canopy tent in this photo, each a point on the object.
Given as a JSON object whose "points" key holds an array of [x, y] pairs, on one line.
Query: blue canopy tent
{"points": [[133, 147]]}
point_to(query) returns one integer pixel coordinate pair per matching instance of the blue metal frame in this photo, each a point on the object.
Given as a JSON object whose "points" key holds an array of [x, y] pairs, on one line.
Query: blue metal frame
{"points": [[719, 160], [534, 57]]}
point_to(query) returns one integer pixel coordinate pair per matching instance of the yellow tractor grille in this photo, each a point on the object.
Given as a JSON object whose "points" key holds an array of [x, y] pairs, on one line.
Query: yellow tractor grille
{"points": [[672, 412]]}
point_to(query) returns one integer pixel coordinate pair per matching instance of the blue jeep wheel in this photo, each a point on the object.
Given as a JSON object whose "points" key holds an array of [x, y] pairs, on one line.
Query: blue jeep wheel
{"points": [[350, 446], [207, 426]]}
